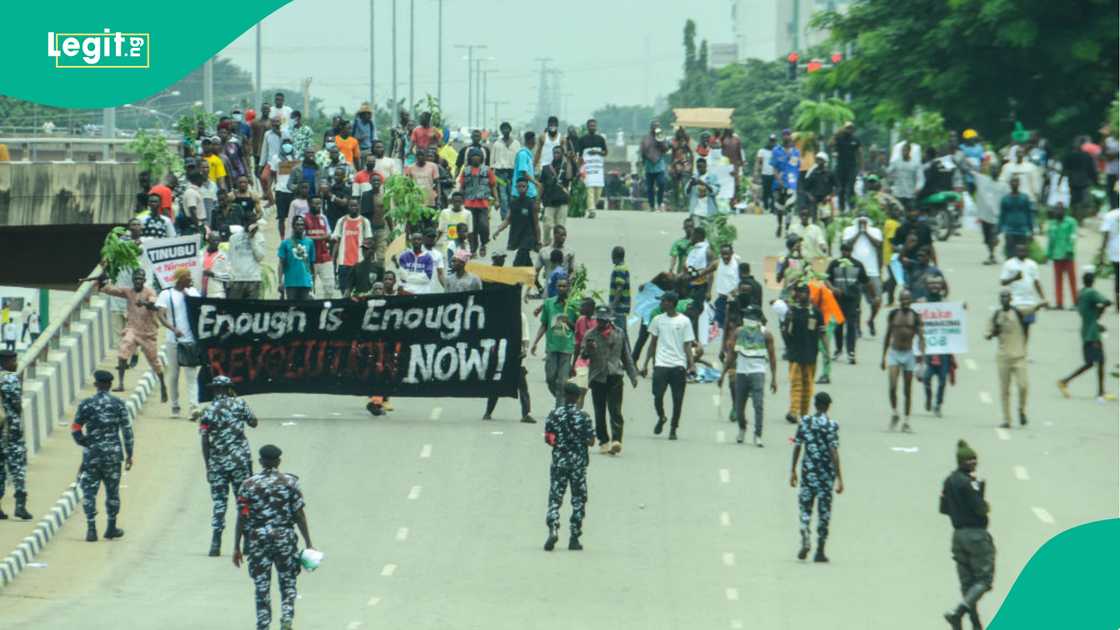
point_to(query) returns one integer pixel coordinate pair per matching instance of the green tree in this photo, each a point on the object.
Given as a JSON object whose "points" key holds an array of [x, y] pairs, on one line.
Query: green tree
{"points": [[983, 63]]}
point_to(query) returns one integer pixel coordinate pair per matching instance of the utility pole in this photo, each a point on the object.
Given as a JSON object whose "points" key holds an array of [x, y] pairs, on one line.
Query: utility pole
{"points": [[542, 91], [373, 96], [395, 102], [485, 89], [497, 119], [470, 79], [439, 59], [411, 54], [208, 85], [257, 76], [305, 88]]}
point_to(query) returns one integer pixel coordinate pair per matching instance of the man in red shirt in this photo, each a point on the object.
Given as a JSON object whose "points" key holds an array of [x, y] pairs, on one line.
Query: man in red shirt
{"points": [[425, 135], [163, 189], [318, 229], [349, 234]]}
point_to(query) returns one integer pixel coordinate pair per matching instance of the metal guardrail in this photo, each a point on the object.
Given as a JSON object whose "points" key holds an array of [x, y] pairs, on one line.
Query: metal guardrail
{"points": [[64, 356], [28, 148]]}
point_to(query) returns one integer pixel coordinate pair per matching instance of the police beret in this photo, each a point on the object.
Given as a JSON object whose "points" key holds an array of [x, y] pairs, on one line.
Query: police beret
{"points": [[271, 452], [221, 381], [103, 376]]}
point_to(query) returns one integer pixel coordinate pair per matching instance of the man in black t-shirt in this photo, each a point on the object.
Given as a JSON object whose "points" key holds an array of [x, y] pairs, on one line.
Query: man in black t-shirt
{"points": [[802, 328], [847, 147], [598, 145], [524, 225], [847, 279]]}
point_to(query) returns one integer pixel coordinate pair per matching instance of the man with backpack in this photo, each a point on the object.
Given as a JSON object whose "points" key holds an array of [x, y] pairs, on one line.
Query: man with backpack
{"points": [[848, 279]]}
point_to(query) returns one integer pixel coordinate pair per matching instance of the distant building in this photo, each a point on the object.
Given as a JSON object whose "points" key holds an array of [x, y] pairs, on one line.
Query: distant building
{"points": [[771, 29], [720, 55]]}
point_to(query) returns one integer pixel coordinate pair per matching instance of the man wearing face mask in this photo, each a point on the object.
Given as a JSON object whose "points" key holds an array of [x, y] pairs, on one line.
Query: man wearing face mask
{"points": [[287, 175], [548, 140], [653, 150]]}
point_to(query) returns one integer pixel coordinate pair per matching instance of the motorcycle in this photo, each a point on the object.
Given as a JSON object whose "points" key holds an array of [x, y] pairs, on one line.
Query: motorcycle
{"points": [[944, 210]]}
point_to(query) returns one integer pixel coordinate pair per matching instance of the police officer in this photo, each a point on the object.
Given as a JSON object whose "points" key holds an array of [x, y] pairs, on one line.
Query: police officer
{"points": [[819, 435], [569, 432], [269, 504], [13, 450], [225, 450], [101, 421], [962, 498]]}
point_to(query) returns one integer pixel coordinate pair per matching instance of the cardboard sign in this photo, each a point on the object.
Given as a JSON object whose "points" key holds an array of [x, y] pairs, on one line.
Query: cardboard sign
{"points": [[944, 326], [163, 256], [593, 169]]}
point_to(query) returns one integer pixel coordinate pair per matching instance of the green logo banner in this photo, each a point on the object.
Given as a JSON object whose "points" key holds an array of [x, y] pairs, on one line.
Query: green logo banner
{"points": [[1071, 582], [105, 54]]}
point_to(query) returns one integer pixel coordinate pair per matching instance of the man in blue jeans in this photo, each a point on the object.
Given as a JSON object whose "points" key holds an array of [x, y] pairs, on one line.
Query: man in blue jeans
{"points": [[654, 149]]}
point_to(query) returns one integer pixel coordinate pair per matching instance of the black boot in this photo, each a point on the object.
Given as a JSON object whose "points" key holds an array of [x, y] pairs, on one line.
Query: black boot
{"points": [[573, 544], [974, 617], [112, 531], [954, 616], [820, 557], [216, 544], [21, 506], [553, 536], [91, 531]]}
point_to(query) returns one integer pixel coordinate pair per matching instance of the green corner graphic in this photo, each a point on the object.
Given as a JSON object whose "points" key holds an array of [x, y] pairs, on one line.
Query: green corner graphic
{"points": [[165, 45], [1071, 583]]}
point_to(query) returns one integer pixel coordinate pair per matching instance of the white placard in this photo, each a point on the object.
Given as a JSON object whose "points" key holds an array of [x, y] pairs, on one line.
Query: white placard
{"points": [[944, 326], [722, 169], [592, 169], [162, 256]]}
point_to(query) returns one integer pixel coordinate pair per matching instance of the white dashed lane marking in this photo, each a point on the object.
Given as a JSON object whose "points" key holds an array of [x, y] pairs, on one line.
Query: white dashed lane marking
{"points": [[736, 624], [373, 601], [389, 570], [728, 559], [732, 594], [414, 493], [724, 475], [402, 534], [436, 413], [721, 437], [299, 415], [985, 398], [970, 364], [725, 519], [1043, 515], [426, 451], [353, 625], [1021, 473], [1003, 433]]}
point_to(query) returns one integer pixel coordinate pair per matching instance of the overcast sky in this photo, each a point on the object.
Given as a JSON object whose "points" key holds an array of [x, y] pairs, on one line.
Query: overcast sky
{"points": [[599, 45]]}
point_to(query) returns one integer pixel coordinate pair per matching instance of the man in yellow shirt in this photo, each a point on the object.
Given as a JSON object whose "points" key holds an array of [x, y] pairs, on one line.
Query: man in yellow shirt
{"points": [[210, 148]]}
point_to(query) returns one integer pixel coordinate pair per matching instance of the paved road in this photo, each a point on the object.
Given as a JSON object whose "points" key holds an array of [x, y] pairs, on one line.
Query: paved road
{"points": [[431, 518]]}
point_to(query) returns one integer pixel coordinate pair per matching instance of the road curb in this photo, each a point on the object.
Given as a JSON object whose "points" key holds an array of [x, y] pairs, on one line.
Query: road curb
{"points": [[16, 561]]}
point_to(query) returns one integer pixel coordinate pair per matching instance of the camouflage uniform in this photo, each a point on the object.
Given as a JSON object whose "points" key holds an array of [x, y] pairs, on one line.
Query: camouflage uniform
{"points": [[817, 435], [269, 501], [105, 419], [222, 425], [568, 430], [13, 450]]}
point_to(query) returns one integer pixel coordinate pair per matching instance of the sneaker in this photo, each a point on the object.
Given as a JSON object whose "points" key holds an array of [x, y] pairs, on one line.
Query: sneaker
{"points": [[1005, 425], [937, 411], [894, 421], [758, 441], [906, 426], [839, 353], [616, 447], [742, 436], [175, 411], [573, 544], [375, 409], [1063, 388], [486, 417], [803, 552], [929, 405], [1022, 419], [790, 418], [851, 358], [553, 536], [604, 449], [657, 428], [527, 419], [870, 328], [824, 380], [672, 434]]}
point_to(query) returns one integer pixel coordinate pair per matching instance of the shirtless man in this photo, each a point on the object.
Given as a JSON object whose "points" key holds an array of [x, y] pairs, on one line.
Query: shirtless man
{"points": [[898, 353]]}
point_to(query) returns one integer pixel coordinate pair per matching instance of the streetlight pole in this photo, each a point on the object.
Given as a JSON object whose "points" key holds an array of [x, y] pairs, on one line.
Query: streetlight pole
{"points": [[439, 61], [395, 105], [485, 90], [470, 79], [257, 76], [411, 53], [373, 96]]}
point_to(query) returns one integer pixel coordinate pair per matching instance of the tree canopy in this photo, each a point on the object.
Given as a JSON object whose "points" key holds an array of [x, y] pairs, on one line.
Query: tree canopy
{"points": [[982, 63]]}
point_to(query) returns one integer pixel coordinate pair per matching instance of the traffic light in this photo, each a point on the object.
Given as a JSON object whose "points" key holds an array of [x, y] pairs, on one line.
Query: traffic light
{"points": [[813, 65], [792, 58]]}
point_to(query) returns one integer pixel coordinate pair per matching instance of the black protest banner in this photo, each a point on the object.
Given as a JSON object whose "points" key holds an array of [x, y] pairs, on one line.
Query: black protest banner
{"points": [[448, 344]]}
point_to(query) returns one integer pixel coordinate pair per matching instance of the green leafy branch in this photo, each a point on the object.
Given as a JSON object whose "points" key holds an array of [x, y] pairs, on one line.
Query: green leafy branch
{"points": [[155, 155], [407, 204], [118, 254]]}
